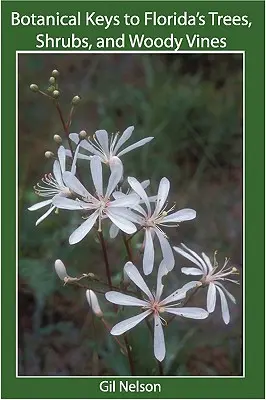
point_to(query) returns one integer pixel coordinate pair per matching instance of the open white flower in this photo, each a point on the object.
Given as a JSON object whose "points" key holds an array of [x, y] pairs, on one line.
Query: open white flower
{"points": [[211, 277], [53, 185], [153, 218], [105, 148], [100, 203], [153, 305]]}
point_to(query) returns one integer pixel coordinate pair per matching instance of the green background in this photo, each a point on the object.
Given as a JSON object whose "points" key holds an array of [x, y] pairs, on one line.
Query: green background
{"points": [[249, 40]]}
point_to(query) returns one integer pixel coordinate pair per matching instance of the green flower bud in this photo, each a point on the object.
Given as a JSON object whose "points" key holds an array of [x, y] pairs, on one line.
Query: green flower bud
{"points": [[75, 100], [56, 94], [49, 154], [52, 80], [50, 89], [58, 139], [34, 88], [55, 73], [82, 134]]}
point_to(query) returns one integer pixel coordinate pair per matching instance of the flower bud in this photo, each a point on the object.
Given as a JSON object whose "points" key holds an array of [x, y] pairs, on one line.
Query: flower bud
{"points": [[49, 154], [57, 139], [60, 269], [82, 134], [34, 88], [52, 80], [56, 94], [76, 100], [93, 302], [51, 89], [55, 73]]}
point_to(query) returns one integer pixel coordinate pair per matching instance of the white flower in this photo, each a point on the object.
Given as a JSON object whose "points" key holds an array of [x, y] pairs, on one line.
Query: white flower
{"points": [[93, 302], [115, 210], [53, 185], [153, 218], [211, 276], [153, 305], [106, 149]]}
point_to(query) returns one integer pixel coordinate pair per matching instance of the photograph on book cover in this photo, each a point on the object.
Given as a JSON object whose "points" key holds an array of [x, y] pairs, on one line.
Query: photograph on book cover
{"points": [[130, 199]]}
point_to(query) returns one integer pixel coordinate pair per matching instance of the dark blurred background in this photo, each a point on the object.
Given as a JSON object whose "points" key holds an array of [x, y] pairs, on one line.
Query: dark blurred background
{"points": [[192, 105]]}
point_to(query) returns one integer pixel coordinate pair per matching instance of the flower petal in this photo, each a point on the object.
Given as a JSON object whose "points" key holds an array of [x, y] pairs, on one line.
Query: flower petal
{"points": [[102, 138], [136, 186], [114, 179], [58, 173], [159, 343], [97, 174], [167, 251], [74, 184], [129, 200], [188, 312], [120, 221], [211, 297], [194, 259], [195, 255], [93, 302], [74, 137], [87, 146], [74, 162], [134, 146], [162, 195], [231, 297], [124, 137], [135, 276], [162, 271], [207, 261], [113, 231], [39, 205], [62, 158], [191, 271], [68, 204], [124, 300], [45, 215], [180, 293], [83, 229], [129, 323], [148, 257], [186, 214], [224, 306], [60, 269]]}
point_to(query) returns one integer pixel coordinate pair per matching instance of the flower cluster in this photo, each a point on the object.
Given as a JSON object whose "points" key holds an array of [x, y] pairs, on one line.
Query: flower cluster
{"points": [[130, 211]]}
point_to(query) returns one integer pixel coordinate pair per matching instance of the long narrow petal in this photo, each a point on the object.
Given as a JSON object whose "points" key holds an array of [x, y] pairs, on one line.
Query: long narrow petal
{"points": [[135, 276], [180, 293], [74, 184], [136, 186], [113, 231], [207, 261], [167, 251], [58, 173], [148, 257], [134, 146], [125, 213], [231, 297], [39, 205], [83, 229], [97, 174], [80, 155], [115, 177], [186, 214], [188, 312], [191, 271], [74, 162], [129, 200], [195, 255], [62, 158], [162, 271], [68, 204], [190, 258], [211, 297], [121, 222], [224, 306], [162, 195], [102, 137], [159, 343], [124, 300], [74, 137], [45, 215], [129, 323], [124, 137], [87, 146]]}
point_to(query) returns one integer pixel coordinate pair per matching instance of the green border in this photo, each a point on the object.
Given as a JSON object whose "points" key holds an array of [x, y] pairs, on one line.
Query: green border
{"points": [[252, 42]]}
